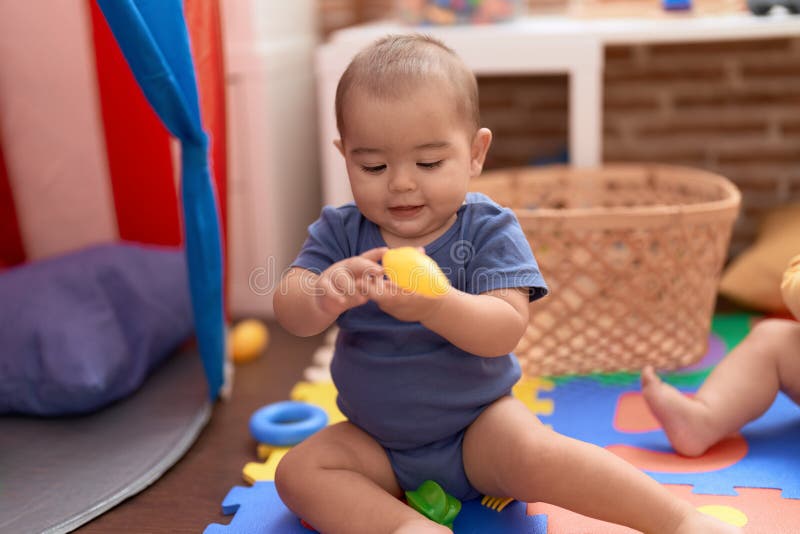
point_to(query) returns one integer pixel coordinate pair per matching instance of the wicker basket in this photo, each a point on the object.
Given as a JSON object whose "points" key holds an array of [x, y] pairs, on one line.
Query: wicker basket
{"points": [[632, 255]]}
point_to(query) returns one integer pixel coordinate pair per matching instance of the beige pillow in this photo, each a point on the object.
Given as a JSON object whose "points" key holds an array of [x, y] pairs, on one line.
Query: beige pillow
{"points": [[754, 277]]}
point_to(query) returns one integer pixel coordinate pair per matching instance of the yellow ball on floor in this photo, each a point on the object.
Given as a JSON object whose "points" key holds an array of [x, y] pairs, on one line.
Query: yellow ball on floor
{"points": [[247, 340]]}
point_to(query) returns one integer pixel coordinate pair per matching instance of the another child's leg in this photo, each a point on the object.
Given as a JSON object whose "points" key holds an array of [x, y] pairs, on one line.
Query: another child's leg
{"points": [[340, 480], [508, 452], [741, 388]]}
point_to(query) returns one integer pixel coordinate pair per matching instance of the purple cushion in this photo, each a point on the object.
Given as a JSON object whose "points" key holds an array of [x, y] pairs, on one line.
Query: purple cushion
{"points": [[84, 329]]}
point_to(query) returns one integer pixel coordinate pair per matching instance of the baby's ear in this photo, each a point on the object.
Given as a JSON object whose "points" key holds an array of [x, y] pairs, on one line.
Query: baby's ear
{"points": [[338, 144], [480, 146]]}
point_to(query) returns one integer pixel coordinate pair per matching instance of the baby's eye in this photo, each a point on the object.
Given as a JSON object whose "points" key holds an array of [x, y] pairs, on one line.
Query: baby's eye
{"points": [[373, 169], [431, 165]]}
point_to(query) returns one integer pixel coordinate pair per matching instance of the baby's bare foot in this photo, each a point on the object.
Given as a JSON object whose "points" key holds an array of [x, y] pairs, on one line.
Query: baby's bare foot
{"points": [[685, 420]]}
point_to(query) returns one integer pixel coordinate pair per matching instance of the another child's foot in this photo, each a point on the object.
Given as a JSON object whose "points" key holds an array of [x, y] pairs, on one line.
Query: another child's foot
{"points": [[684, 419]]}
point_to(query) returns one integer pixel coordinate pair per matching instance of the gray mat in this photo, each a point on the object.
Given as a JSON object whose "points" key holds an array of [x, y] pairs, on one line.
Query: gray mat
{"points": [[58, 473]]}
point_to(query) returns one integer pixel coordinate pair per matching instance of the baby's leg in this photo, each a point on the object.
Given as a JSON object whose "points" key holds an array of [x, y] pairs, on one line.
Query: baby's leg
{"points": [[340, 480], [741, 388], [508, 452]]}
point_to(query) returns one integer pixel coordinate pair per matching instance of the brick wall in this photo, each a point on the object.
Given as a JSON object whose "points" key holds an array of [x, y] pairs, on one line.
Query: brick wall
{"points": [[728, 107], [732, 108]]}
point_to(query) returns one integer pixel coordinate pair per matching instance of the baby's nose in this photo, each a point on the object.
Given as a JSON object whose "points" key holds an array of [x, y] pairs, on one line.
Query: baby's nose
{"points": [[401, 181]]}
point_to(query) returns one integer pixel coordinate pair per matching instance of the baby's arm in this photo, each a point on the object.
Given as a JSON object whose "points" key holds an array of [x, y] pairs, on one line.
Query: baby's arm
{"points": [[296, 309], [490, 324], [307, 303]]}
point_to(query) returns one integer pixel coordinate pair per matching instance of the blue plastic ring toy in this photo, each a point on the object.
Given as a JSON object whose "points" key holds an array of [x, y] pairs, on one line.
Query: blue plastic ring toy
{"points": [[286, 423]]}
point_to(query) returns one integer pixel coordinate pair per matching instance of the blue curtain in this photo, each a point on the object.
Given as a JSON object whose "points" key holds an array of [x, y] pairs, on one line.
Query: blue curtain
{"points": [[155, 42]]}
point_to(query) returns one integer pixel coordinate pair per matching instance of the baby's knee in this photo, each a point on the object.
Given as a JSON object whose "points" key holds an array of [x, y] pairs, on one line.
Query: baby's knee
{"points": [[291, 475]]}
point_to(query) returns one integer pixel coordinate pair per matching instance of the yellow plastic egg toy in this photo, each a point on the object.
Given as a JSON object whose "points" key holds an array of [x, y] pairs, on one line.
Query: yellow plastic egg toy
{"points": [[247, 340], [412, 270], [790, 287]]}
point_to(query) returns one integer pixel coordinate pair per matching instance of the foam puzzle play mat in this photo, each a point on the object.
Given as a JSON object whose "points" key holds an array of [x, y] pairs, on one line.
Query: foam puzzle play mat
{"points": [[750, 479]]}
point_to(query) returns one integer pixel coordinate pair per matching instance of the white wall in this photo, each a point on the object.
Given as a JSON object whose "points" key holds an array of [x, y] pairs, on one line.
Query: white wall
{"points": [[273, 183]]}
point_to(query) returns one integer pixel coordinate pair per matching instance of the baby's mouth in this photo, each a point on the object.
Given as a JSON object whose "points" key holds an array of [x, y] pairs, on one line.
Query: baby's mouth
{"points": [[404, 212]]}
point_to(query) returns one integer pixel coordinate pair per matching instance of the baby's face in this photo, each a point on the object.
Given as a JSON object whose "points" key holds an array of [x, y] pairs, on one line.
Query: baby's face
{"points": [[409, 160]]}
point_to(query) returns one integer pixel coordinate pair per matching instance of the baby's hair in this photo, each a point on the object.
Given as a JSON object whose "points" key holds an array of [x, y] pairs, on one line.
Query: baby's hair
{"points": [[396, 64]]}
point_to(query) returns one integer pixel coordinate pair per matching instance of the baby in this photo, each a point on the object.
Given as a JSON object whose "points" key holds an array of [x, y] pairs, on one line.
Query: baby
{"points": [[741, 388], [426, 382]]}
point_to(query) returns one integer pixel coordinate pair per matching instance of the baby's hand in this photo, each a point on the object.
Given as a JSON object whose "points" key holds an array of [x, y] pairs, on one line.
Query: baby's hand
{"points": [[415, 286], [346, 284], [403, 304]]}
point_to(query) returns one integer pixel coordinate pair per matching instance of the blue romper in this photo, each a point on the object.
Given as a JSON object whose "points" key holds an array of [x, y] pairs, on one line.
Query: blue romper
{"points": [[409, 388]]}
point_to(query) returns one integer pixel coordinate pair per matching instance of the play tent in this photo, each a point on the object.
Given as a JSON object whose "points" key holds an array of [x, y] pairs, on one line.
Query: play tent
{"points": [[86, 154], [112, 135]]}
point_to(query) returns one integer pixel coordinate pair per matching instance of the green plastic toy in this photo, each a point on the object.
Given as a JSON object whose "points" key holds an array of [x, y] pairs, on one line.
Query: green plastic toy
{"points": [[433, 502]]}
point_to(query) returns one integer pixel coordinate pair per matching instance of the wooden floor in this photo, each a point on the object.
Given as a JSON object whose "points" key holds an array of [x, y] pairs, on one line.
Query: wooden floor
{"points": [[189, 496]]}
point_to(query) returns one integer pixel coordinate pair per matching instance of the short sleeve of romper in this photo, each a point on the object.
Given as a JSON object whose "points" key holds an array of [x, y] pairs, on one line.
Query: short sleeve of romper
{"points": [[327, 241], [494, 252]]}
